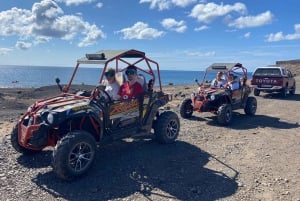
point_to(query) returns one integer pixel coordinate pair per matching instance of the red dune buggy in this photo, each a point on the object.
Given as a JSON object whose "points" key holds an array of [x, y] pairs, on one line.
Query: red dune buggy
{"points": [[221, 100], [75, 123]]}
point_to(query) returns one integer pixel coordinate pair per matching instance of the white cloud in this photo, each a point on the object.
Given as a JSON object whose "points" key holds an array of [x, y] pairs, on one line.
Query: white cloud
{"points": [[208, 12], [23, 45], [4, 51], [46, 21], [75, 2], [247, 35], [183, 3], [200, 54], [252, 21], [166, 4], [15, 22], [172, 24], [99, 5], [280, 36], [201, 28], [140, 30]]}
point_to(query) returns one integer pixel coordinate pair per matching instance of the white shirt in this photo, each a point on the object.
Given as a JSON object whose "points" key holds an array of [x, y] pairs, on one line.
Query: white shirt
{"points": [[112, 89], [234, 85], [218, 84]]}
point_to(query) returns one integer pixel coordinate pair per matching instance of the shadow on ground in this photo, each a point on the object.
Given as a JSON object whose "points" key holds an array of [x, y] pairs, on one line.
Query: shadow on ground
{"points": [[242, 121], [295, 97], [152, 170]]}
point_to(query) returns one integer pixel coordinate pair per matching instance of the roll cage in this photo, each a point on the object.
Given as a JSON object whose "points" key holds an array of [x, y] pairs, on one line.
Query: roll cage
{"points": [[119, 60]]}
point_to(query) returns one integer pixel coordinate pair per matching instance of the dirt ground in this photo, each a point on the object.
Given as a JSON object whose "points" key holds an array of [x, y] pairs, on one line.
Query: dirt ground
{"points": [[255, 158]]}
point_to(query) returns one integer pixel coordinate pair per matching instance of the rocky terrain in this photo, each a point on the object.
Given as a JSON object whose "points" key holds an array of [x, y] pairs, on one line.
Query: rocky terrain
{"points": [[255, 158]]}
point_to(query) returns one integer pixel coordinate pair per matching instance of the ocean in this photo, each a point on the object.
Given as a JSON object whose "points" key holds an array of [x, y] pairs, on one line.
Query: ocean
{"points": [[38, 76]]}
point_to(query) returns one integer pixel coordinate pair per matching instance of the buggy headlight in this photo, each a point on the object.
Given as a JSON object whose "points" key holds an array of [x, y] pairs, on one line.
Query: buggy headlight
{"points": [[50, 118], [212, 97]]}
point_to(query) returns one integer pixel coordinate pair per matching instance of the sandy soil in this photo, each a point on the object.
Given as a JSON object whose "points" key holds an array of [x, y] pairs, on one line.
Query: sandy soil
{"points": [[255, 158]]}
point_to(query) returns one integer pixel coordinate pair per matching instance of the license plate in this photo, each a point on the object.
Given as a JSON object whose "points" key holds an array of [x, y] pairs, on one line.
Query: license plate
{"points": [[266, 86]]}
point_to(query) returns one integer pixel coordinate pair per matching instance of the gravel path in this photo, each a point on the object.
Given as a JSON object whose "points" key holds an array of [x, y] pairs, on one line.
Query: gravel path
{"points": [[255, 158]]}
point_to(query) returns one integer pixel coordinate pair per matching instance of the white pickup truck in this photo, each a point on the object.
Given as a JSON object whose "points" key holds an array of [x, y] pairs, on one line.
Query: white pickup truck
{"points": [[273, 79]]}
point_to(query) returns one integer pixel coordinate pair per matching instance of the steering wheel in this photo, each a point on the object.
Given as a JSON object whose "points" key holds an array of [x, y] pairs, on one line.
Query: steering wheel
{"points": [[100, 95]]}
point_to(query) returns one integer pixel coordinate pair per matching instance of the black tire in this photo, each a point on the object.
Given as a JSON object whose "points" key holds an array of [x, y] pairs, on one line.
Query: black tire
{"points": [[15, 142], [284, 92], [225, 114], [186, 108], [73, 155], [293, 90], [167, 127], [251, 106], [256, 92]]}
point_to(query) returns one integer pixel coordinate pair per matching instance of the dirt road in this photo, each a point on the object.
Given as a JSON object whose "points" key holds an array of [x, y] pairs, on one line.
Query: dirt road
{"points": [[255, 158]]}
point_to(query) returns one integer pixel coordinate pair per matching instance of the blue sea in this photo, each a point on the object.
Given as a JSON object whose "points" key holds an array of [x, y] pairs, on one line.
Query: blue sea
{"points": [[38, 76]]}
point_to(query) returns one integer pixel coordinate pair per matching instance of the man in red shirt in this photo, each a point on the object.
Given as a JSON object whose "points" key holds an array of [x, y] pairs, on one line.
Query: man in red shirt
{"points": [[131, 88]]}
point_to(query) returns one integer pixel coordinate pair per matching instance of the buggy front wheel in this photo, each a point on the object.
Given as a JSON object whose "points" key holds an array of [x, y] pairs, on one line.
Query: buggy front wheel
{"points": [[224, 114], [74, 154], [186, 108], [167, 127]]}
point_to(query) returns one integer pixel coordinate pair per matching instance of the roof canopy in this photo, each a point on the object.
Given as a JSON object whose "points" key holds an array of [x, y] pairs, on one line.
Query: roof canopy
{"points": [[222, 66], [104, 56]]}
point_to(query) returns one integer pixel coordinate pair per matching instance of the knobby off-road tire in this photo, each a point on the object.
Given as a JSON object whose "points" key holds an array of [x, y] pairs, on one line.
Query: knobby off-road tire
{"points": [[225, 114], [256, 92], [186, 108], [15, 142], [167, 127], [73, 155], [251, 106]]}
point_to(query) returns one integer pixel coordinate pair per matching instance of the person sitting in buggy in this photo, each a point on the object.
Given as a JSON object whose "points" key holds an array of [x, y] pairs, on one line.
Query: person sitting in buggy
{"points": [[219, 81], [232, 83], [132, 87], [112, 87]]}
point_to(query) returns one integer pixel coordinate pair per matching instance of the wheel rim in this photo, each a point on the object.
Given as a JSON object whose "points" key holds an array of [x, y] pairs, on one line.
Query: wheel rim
{"points": [[80, 157], [253, 107], [188, 108], [228, 115], [172, 129]]}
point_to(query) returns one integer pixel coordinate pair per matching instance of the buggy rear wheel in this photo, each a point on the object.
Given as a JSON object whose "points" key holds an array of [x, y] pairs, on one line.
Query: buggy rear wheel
{"points": [[224, 114], [251, 106], [256, 92], [167, 127], [74, 154], [186, 108]]}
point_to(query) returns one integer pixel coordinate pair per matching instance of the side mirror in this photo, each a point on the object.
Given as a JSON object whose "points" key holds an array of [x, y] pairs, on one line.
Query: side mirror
{"points": [[57, 80]]}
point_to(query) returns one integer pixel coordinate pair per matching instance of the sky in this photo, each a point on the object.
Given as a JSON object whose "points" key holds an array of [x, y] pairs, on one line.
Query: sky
{"points": [[178, 34]]}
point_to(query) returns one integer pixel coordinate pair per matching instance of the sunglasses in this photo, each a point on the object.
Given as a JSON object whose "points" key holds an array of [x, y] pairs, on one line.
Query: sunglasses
{"points": [[130, 72], [109, 74]]}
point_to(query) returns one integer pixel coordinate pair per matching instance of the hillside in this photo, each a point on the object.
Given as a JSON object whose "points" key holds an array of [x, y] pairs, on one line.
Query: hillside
{"points": [[292, 65]]}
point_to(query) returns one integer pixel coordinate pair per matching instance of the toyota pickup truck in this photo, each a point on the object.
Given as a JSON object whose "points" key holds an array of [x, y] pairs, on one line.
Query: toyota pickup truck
{"points": [[273, 79]]}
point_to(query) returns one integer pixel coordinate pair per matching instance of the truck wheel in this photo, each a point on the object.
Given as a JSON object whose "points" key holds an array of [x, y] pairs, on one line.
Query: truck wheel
{"points": [[74, 154], [167, 127], [256, 92], [284, 92], [224, 114], [15, 142], [251, 106], [293, 90], [186, 108]]}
